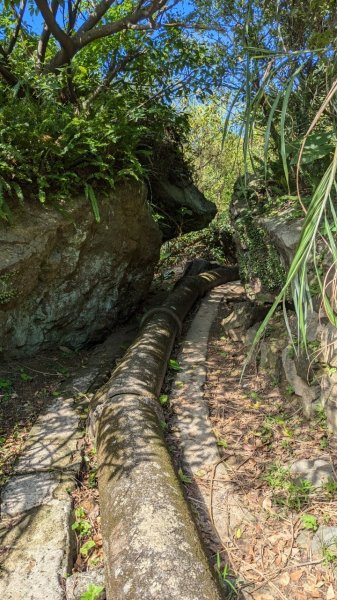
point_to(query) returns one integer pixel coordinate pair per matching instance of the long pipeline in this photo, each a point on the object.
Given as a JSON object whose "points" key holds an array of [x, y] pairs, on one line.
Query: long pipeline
{"points": [[152, 548]]}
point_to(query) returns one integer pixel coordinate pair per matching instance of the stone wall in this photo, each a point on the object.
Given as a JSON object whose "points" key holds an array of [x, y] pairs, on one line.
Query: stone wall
{"points": [[266, 245], [65, 279]]}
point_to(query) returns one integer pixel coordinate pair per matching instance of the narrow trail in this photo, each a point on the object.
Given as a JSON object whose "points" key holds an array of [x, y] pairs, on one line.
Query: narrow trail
{"points": [[233, 445], [262, 433]]}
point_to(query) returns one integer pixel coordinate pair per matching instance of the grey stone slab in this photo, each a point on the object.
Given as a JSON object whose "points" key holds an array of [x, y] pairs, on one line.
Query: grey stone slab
{"points": [[83, 381], [37, 508], [37, 554], [195, 432], [192, 426], [284, 233], [53, 441], [78, 583], [24, 492], [318, 471], [324, 538]]}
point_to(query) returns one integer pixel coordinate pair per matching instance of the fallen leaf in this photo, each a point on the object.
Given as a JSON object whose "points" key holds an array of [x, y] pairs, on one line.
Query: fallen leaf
{"points": [[273, 538], [330, 595], [312, 591], [284, 579], [296, 575], [266, 504]]}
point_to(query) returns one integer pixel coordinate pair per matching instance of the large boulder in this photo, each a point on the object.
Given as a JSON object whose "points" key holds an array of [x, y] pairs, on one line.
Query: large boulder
{"points": [[65, 279], [183, 207], [178, 203]]}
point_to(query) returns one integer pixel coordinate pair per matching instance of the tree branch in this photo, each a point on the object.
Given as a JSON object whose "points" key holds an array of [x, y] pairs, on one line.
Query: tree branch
{"points": [[13, 41], [45, 36], [113, 70], [96, 16], [64, 40], [7, 75], [72, 15], [83, 38]]}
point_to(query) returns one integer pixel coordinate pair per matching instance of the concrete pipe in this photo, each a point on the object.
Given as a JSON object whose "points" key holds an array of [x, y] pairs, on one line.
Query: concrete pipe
{"points": [[152, 548]]}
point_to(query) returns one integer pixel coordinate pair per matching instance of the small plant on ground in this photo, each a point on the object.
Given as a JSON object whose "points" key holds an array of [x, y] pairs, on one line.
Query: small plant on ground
{"points": [[298, 494], [85, 548], [174, 365], [6, 389], [92, 478], [222, 443], [330, 488], [324, 443], [329, 555], [92, 592], [225, 576], [184, 478], [291, 494], [309, 522], [25, 377], [163, 425], [320, 417], [81, 526]]}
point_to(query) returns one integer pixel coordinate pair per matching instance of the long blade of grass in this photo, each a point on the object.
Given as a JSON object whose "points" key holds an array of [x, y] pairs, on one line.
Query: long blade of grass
{"points": [[285, 103], [300, 260]]}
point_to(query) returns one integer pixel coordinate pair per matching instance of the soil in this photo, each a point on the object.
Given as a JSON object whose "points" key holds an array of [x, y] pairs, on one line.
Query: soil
{"points": [[261, 431], [27, 388]]}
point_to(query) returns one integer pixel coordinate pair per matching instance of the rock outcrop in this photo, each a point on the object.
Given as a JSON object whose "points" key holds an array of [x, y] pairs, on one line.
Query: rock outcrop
{"points": [[180, 206], [66, 279], [183, 207], [266, 245]]}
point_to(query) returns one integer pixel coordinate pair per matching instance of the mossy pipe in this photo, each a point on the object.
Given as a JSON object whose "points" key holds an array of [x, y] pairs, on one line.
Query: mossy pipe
{"points": [[152, 548]]}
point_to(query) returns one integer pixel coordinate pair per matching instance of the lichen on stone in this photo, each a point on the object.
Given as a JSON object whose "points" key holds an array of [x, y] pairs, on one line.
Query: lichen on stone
{"points": [[258, 258], [7, 289]]}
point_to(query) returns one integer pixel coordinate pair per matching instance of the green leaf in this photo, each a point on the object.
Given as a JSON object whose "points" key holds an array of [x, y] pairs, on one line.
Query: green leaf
{"points": [[309, 522], [25, 377], [90, 195], [184, 478], [92, 592], [174, 365], [85, 549], [285, 103]]}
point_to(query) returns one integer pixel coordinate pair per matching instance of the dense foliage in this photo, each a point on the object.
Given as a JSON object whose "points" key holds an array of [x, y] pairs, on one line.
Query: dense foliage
{"points": [[284, 90], [87, 90], [84, 100], [216, 163]]}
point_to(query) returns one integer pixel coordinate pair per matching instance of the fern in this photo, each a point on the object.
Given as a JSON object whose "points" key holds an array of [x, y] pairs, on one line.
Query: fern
{"points": [[90, 195]]}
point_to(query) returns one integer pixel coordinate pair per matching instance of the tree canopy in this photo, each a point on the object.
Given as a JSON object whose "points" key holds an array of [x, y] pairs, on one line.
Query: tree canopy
{"points": [[87, 88]]}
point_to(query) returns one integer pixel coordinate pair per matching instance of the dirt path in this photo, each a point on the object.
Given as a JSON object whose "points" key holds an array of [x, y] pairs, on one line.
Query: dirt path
{"points": [[261, 433]]}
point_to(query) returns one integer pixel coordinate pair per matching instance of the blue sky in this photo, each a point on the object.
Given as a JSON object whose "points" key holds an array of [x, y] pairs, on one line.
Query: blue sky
{"points": [[36, 22]]}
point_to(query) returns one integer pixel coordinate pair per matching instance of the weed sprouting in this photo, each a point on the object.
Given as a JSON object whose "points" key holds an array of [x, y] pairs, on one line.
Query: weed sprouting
{"points": [[225, 576], [291, 494], [309, 522], [92, 592], [184, 478], [81, 526], [330, 487]]}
